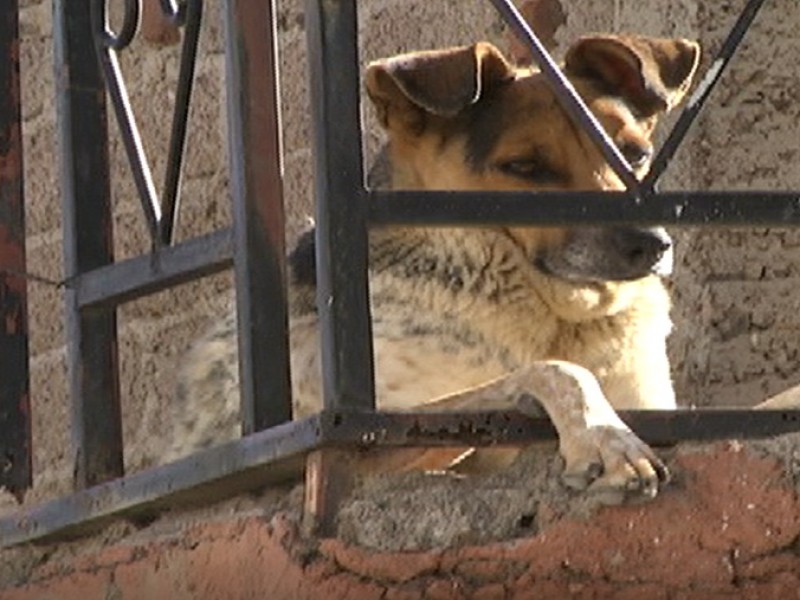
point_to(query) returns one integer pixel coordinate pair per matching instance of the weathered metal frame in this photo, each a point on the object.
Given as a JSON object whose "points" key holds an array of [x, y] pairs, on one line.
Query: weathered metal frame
{"points": [[255, 246], [15, 423], [278, 454]]}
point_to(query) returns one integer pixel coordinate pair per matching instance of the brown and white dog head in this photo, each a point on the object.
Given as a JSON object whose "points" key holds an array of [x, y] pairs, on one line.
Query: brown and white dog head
{"points": [[466, 119]]}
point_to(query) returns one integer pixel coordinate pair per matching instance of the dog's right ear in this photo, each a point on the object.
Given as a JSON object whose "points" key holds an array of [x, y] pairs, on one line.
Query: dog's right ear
{"points": [[653, 74], [407, 88]]}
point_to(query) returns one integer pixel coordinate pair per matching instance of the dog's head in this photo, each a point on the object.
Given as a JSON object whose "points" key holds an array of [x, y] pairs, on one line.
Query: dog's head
{"points": [[465, 119]]}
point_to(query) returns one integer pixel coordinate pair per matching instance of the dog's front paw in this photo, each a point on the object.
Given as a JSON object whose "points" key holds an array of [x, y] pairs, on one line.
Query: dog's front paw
{"points": [[602, 455], [612, 464]]}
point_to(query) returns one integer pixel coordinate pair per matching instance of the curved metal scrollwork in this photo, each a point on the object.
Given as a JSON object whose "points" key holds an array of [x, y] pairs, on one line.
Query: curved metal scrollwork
{"points": [[160, 213]]}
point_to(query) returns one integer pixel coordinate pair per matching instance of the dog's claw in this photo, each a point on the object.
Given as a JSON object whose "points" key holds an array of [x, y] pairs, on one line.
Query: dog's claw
{"points": [[613, 465]]}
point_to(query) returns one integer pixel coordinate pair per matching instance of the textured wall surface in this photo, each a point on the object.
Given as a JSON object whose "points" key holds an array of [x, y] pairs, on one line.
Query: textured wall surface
{"points": [[736, 311]]}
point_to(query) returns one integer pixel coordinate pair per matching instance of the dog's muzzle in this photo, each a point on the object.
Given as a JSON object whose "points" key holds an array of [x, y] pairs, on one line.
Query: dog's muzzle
{"points": [[644, 250], [610, 254]]}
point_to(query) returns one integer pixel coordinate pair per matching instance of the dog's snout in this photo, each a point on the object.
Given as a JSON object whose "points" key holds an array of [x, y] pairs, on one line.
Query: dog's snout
{"points": [[642, 246]]}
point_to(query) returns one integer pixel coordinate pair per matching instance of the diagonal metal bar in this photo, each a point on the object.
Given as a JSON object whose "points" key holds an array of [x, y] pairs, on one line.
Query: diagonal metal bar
{"points": [[160, 214], [701, 94], [106, 44], [190, 16], [565, 93]]}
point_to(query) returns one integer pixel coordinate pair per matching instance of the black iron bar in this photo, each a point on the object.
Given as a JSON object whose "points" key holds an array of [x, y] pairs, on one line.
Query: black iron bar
{"points": [[718, 208], [136, 277], [107, 44], [698, 98], [190, 16], [254, 154], [15, 413], [88, 244], [569, 99], [341, 227], [276, 455], [131, 18], [202, 478], [160, 214]]}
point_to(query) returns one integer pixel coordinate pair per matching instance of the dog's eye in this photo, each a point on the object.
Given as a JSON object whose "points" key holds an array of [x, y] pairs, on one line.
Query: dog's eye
{"points": [[637, 155], [533, 170]]}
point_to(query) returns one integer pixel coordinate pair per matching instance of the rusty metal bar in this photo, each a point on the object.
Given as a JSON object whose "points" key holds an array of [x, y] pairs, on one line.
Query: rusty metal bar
{"points": [[445, 208], [254, 146], [341, 227], [329, 477], [15, 416], [202, 478], [277, 455], [91, 335]]}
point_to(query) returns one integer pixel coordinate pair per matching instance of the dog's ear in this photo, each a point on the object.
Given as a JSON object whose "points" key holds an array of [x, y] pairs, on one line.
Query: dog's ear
{"points": [[652, 74], [438, 82]]}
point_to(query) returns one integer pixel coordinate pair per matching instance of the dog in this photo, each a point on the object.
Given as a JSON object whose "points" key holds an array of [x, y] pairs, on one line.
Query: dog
{"points": [[495, 317]]}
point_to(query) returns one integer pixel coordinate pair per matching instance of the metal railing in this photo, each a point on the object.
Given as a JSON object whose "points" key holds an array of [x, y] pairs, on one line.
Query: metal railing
{"points": [[276, 447]]}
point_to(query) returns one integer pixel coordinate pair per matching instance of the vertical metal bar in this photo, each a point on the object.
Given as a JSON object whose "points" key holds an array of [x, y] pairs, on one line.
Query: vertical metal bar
{"points": [[342, 293], [15, 422], [567, 96], [701, 94], [330, 474], [91, 335], [254, 144]]}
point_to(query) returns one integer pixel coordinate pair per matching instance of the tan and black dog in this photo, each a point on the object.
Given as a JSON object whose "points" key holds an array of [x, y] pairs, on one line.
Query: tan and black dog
{"points": [[481, 317]]}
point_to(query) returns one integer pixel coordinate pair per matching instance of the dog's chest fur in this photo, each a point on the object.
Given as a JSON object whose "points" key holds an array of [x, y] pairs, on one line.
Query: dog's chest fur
{"points": [[454, 308]]}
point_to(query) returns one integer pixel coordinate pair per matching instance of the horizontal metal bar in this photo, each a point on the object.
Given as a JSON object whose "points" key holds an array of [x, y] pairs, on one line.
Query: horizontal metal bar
{"points": [[276, 455], [444, 208], [656, 427], [168, 266], [202, 478]]}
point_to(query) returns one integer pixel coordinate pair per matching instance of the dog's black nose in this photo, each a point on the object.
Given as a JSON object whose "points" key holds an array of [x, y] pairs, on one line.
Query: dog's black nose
{"points": [[641, 247]]}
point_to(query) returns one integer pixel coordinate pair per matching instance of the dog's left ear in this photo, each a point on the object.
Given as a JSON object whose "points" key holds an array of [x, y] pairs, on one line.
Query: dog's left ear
{"points": [[652, 74]]}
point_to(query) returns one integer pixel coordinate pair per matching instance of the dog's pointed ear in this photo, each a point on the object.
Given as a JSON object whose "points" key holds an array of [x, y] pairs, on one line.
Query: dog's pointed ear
{"points": [[652, 74], [439, 82]]}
